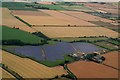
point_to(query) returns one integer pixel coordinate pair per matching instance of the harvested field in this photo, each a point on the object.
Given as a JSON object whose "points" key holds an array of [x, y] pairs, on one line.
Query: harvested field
{"points": [[85, 16], [9, 20], [57, 32], [111, 59], [83, 69], [71, 20], [55, 18], [28, 68], [29, 13], [5, 74]]}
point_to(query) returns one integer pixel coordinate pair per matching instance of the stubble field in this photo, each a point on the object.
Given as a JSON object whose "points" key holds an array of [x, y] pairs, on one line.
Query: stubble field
{"points": [[28, 68], [57, 32]]}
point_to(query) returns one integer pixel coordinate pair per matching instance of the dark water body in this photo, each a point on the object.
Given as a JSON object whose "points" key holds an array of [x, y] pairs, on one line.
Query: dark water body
{"points": [[54, 52]]}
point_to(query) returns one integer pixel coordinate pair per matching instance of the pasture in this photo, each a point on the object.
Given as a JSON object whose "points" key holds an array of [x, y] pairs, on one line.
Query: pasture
{"points": [[18, 6], [61, 32], [22, 36], [9, 20], [83, 69], [112, 59], [27, 6], [28, 68]]}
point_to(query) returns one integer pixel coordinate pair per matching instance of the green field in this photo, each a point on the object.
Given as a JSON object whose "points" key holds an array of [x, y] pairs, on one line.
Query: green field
{"points": [[53, 7], [17, 6], [30, 6], [15, 34], [66, 59]]}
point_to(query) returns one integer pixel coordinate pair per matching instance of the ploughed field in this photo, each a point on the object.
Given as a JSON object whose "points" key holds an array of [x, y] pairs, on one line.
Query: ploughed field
{"points": [[28, 68], [83, 69], [53, 52], [112, 59]]}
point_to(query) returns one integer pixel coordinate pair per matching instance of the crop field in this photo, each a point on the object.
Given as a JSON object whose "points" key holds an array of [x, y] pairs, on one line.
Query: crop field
{"points": [[9, 20], [85, 16], [5, 74], [68, 18], [28, 68], [83, 69], [112, 59], [54, 18], [53, 52], [61, 32], [15, 34]]}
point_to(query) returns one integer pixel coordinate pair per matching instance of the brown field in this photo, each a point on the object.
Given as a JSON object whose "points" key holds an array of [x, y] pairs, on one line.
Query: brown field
{"points": [[109, 7], [5, 74], [9, 20], [96, 5], [83, 69], [85, 16], [113, 11], [56, 32], [54, 18], [28, 68], [30, 13], [111, 59]]}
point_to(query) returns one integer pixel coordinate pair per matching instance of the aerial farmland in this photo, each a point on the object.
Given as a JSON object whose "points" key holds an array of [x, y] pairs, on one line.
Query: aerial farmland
{"points": [[59, 40]]}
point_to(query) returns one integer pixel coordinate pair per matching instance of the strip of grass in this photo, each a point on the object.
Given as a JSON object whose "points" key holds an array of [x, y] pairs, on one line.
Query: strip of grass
{"points": [[71, 39], [23, 21]]}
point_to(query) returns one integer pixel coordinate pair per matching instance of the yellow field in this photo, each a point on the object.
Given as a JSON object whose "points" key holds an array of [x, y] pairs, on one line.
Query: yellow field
{"points": [[28, 68], [9, 20], [54, 18], [5, 74], [56, 32], [85, 16]]}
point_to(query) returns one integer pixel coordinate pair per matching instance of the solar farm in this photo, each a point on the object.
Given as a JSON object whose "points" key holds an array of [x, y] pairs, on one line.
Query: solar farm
{"points": [[59, 40]]}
